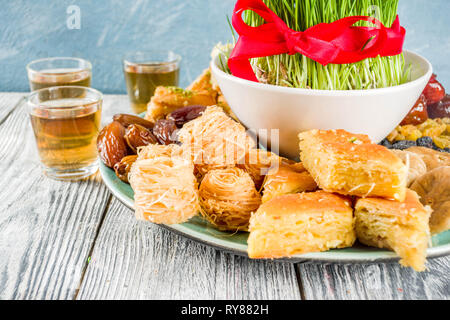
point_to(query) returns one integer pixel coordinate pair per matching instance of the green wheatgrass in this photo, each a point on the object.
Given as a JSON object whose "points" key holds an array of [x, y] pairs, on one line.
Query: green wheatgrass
{"points": [[301, 72]]}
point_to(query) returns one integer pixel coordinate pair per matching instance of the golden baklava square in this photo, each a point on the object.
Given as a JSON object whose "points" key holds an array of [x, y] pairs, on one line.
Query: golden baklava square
{"points": [[398, 226], [287, 179], [351, 164], [299, 223]]}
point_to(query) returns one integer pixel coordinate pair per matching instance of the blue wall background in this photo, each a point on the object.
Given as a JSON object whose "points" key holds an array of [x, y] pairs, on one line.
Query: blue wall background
{"points": [[37, 28]]}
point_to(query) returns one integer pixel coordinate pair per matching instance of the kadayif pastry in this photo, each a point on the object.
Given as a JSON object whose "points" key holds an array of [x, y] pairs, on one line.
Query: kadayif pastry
{"points": [[214, 140], [228, 197], [300, 223], [164, 185], [351, 164], [399, 226]]}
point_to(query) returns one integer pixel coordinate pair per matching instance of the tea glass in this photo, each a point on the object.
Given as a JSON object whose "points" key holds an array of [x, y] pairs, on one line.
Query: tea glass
{"points": [[59, 71], [144, 71], [66, 122]]}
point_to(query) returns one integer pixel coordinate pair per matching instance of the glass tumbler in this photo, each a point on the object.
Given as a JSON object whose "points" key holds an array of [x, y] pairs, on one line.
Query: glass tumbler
{"points": [[66, 122], [53, 72], [144, 71]]}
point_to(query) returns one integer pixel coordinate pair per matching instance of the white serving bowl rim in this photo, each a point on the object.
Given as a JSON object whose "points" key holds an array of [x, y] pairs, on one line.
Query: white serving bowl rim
{"points": [[317, 92]]}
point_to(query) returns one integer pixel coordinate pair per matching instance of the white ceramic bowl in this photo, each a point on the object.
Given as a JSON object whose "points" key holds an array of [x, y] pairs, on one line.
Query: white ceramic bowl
{"points": [[374, 112]]}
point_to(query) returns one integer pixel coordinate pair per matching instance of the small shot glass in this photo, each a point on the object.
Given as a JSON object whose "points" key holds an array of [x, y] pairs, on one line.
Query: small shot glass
{"points": [[66, 122], [144, 71], [59, 71]]}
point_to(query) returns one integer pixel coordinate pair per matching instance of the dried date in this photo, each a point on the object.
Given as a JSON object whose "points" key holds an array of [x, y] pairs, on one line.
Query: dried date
{"points": [[186, 114], [138, 136], [123, 167], [111, 144], [165, 131], [129, 119]]}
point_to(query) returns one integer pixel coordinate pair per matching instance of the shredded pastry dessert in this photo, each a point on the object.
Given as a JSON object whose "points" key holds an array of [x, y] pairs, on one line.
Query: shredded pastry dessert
{"points": [[214, 139], [228, 197], [258, 163], [164, 185]]}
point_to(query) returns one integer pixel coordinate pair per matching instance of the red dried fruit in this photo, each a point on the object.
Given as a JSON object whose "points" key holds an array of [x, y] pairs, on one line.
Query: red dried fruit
{"points": [[440, 109], [434, 91], [111, 144], [165, 131], [418, 113]]}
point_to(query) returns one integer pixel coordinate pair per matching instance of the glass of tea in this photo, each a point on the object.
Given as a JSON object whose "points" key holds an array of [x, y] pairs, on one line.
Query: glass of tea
{"points": [[53, 72], [66, 122], [144, 71]]}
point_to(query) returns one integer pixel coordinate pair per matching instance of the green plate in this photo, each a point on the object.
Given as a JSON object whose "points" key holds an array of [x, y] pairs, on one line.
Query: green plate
{"points": [[201, 231]]}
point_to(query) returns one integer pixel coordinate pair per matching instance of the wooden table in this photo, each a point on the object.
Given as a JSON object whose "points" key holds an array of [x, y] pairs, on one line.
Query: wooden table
{"points": [[67, 240]]}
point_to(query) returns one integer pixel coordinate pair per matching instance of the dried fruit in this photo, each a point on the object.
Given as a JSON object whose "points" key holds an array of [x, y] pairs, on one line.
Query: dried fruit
{"points": [[432, 128], [138, 136], [432, 158], [414, 162], [434, 91], [386, 143], [123, 167], [128, 119], [434, 190], [440, 109], [418, 113], [409, 132], [165, 131], [442, 142], [403, 144], [426, 142], [186, 114], [111, 144]]}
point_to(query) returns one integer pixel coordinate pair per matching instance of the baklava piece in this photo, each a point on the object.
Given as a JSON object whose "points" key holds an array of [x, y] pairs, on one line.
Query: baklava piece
{"points": [[299, 223], [287, 179], [398, 226], [351, 164], [168, 99]]}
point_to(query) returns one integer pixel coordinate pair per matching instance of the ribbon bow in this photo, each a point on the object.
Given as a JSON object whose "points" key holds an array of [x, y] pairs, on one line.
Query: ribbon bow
{"points": [[338, 42]]}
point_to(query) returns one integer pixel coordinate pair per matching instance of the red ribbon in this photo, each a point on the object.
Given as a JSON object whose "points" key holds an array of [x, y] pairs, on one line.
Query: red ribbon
{"points": [[338, 42]]}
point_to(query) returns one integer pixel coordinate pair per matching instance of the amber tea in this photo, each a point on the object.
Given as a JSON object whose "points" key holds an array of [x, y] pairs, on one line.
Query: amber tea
{"points": [[144, 71], [60, 77], [66, 132], [53, 72]]}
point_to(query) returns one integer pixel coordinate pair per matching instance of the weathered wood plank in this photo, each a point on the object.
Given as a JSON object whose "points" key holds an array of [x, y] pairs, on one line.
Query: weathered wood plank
{"points": [[375, 281], [139, 260], [8, 101], [46, 227], [239, 278]]}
